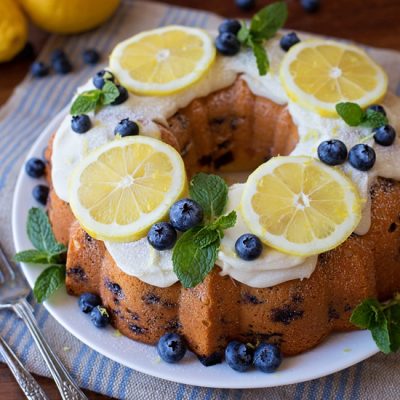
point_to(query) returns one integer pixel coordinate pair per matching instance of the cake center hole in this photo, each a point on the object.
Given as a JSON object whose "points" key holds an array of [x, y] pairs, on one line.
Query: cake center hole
{"points": [[163, 54], [335, 73], [301, 201]]}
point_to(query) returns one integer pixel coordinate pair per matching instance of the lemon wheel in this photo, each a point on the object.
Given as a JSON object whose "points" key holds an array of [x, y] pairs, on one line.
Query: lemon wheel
{"points": [[164, 60], [122, 188], [318, 74], [300, 206]]}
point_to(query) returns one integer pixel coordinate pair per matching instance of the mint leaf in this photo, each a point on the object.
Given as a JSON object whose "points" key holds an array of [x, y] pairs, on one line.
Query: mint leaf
{"points": [[206, 236], [365, 313], [110, 92], [48, 282], [211, 192], [40, 233], [268, 21], [32, 257], [261, 58], [393, 317], [224, 222], [380, 334], [374, 119], [244, 34], [351, 113], [86, 102], [192, 263]]}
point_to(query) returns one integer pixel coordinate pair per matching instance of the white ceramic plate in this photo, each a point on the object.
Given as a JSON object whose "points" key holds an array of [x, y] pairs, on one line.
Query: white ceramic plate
{"points": [[337, 352]]}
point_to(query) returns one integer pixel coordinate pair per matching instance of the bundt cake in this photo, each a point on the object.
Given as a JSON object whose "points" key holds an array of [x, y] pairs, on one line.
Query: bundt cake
{"points": [[231, 121]]}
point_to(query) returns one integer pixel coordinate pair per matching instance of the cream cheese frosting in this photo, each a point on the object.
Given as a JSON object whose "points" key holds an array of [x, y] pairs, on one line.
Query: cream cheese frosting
{"points": [[151, 266]]}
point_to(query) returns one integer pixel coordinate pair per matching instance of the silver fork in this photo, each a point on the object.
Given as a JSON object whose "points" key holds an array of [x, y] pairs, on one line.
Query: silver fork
{"points": [[13, 292]]}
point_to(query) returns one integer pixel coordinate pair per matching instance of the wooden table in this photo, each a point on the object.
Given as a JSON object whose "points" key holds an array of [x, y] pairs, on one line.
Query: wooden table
{"points": [[373, 22]]}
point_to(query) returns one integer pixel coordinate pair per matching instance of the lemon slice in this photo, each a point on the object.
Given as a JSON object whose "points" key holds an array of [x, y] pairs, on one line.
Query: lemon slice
{"points": [[318, 74], [164, 60], [300, 206], [120, 189]]}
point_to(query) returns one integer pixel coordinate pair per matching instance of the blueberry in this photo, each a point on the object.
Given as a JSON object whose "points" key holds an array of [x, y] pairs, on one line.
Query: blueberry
{"points": [[40, 194], [238, 356], [248, 247], [123, 96], [288, 41], [91, 56], [245, 5], [39, 69], [332, 152], [185, 214], [267, 357], [378, 108], [100, 317], [87, 301], [102, 76], [230, 25], [227, 44], [171, 347], [126, 127], [57, 54], [162, 236], [62, 66], [81, 123], [35, 167], [385, 135], [362, 157], [310, 6]]}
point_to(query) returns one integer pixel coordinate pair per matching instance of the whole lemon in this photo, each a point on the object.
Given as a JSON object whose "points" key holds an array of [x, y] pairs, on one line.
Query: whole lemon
{"points": [[69, 16], [13, 29]]}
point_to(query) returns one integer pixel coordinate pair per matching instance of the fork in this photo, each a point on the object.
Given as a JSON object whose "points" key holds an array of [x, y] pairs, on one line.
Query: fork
{"points": [[13, 292]]}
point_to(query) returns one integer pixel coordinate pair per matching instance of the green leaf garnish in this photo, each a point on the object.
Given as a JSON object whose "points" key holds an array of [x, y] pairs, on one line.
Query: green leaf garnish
{"points": [[47, 252], [91, 100], [48, 282], [382, 319], [354, 115], [263, 26], [195, 252]]}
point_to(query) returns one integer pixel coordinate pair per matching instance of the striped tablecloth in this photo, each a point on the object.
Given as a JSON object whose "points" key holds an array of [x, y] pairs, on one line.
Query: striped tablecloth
{"points": [[32, 106]]}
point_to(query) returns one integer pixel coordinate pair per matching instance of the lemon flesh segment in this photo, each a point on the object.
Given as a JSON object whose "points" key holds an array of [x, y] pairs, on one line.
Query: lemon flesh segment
{"points": [[318, 74], [300, 206], [164, 60], [122, 188]]}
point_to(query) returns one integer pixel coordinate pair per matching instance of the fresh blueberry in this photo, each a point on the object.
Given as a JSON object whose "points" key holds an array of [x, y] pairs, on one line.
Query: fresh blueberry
{"points": [[100, 317], [310, 6], [267, 357], [35, 167], [91, 56], [378, 108], [362, 157], [230, 25], [332, 152], [288, 41], [57, 54], [385, 135], [248, 247], [39, 69], [40, 194], [81, 123], [185, 214], [62, 66], [245, 5], [171, 347], [227, 44], [162, 236], [101, 77], [126, 127], [123, 96], [238, 356], [88, 301]]}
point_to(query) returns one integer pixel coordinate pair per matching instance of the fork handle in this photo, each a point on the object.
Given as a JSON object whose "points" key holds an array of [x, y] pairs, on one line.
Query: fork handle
{"points": [[66, 386], [25, 380]]}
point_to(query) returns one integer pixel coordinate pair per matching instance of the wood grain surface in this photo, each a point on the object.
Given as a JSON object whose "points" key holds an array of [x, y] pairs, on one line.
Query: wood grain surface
{"points": [[373, 22]]}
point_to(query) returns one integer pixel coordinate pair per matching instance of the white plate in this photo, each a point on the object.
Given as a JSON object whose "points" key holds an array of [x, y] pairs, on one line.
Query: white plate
{"points": [[337, 352]]}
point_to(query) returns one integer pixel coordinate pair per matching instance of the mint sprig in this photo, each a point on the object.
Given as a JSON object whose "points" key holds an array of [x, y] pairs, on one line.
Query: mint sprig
{"points": [[47, 252], [195, 252], [92, 100], [382, 319], [263, 26], [354, 115]]}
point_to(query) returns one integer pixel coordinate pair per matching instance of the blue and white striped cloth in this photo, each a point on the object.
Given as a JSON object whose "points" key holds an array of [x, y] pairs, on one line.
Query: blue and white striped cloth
{"points": [[33, 105]]}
